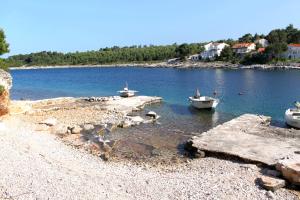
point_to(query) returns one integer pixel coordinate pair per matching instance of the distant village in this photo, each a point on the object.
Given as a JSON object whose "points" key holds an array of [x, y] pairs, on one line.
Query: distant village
{"points": [[278, 45], [213, 50]]}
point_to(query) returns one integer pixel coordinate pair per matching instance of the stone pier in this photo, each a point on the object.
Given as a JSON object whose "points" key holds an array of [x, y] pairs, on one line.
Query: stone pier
{"points": [[251, 138]]}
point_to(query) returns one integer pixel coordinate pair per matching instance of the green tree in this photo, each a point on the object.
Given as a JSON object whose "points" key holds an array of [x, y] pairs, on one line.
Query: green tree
{"points": [[293, 34], [246, 38], [3, 49], [275, 50], [3, 44], [227, 54], [277, 36], [183, 51]]}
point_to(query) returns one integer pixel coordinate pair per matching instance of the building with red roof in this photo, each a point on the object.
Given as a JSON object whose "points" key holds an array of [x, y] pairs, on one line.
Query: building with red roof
{"points": [[242, 48], [261, 50], [293, 51]]}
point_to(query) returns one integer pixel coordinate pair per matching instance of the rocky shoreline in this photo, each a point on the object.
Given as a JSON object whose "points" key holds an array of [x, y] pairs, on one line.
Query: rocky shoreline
{"points": [[180, 65], [35, 135], [84, 122]]}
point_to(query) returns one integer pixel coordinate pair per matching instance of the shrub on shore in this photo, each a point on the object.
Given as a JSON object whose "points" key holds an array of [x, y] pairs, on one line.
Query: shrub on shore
{"points": [[2, 89]]}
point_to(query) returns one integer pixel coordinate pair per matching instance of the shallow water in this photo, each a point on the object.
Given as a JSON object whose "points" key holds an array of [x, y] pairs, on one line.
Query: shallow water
{"points": [[240, 91]]}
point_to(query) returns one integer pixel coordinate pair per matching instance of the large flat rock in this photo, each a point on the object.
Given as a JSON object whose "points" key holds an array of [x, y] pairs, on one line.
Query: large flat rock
{"points": [[251, 138]]}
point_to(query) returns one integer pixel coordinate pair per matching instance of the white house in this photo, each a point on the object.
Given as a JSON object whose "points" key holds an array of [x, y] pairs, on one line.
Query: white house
{"points": [[212, 50], [263, 42], [242, 48], [195, 57], [293, 51]]}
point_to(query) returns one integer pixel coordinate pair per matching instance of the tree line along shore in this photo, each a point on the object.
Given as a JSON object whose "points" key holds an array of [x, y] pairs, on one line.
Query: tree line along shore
{"points": [[278, 40]]}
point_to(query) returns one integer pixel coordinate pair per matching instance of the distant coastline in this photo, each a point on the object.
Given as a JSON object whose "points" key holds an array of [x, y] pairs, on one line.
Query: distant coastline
{"points": [[180, 65]]}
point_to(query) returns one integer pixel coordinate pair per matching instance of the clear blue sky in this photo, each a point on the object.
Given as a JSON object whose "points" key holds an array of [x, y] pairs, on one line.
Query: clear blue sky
{"points": [[74, 25]]}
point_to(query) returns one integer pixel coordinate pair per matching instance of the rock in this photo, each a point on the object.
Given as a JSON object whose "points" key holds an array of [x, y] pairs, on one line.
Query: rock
{"points": [[137, 120], [104, 156], [199, 154], [290, 169], [109, 126], [270, 195], [270, 172], [76, 129], [60, 129], [271, 183], [5, 86], [5, 80], [88, 127], [50, 122], [152, 114], [106, 147], [131, 121]]}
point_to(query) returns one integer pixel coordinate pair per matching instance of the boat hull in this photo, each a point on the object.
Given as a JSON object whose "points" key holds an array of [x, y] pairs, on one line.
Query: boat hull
{"points": [[127, 94], [291, 120], [204, 103]]}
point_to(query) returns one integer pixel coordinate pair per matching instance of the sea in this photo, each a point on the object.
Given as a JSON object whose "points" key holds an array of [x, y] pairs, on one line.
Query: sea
{"points": [[240, 91]]}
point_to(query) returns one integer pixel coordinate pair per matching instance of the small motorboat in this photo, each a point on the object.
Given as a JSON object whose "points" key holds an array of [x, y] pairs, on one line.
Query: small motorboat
{"points": [[203, 102], [292, 116], [126, 92]]}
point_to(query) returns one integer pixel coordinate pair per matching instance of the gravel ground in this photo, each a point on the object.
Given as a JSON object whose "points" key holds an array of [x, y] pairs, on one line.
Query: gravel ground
{"points": [[39, 166]]}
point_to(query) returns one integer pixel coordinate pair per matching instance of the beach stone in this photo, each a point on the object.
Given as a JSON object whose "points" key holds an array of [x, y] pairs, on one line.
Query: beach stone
{"points": [[6, 83], [76, 129], [106, 147], [271, 183], [270, 195], [60, 129], [88, 127], [290, 169], [50, 122]]}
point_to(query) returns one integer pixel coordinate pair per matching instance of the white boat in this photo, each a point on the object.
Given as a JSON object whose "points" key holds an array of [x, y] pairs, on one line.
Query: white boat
{"points": [[292, 116], [126, 92], [203, 102]]}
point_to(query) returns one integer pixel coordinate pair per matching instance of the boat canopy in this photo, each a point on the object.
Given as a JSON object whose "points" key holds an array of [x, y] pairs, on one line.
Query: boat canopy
{"points": [[297, 104], [197, 94]]}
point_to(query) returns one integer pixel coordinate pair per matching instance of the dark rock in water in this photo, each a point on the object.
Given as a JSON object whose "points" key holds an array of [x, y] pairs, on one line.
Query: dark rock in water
{"points": [[192, 151], [152, 114]]}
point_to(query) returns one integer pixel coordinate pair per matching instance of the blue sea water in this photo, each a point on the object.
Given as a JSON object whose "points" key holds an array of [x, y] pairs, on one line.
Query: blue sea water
{"points": [[263, 92]]}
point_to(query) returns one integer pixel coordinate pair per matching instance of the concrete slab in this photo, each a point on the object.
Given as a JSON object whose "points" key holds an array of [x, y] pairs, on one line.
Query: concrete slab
{"points": [[250, 137]]}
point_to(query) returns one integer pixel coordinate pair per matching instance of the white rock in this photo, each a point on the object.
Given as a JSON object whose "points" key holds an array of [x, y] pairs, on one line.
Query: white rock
{"points": [[76, 129], [88, 127], [50, 122]]}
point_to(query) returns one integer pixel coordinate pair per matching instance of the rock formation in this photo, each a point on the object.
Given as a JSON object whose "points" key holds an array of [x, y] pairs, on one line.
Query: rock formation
{"points": [[5, 85]]}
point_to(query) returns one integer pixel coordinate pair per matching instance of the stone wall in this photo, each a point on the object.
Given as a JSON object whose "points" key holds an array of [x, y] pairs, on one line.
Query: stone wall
{"points": [[6, 82]]}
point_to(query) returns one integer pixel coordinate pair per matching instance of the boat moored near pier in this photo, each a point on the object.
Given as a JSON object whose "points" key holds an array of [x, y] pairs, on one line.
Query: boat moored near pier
{"points": [[292, 116], [203, 102], [126, 92]]}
